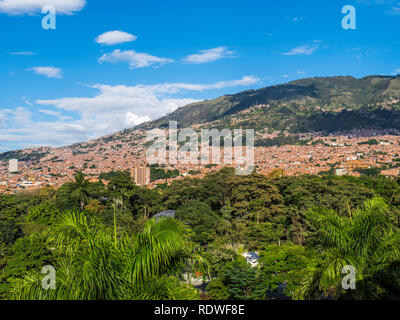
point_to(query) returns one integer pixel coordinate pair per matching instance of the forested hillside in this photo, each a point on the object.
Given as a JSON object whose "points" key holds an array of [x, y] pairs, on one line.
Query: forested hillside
{"points": [[105, 245], [315, 104]]}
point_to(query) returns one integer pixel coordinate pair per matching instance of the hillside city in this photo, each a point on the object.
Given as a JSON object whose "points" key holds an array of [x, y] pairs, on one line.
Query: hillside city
{"points": [[342, 154], [189, 158]]}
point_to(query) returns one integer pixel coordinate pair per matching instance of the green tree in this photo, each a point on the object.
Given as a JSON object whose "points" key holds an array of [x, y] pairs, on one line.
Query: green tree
{"points": [[260, 235], [217, 290], [239, 282], [27, 254], [94, 267], [79, 189], [302, 193], [286, 265], [73, 195], [201, 219], [119, 188], [255, 199], [365, 239], [44, 213], [10, 231]]}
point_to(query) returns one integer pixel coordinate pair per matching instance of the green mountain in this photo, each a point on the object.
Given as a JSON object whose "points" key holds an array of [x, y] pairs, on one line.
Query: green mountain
{"points": [[313, 104], [326, 105]]}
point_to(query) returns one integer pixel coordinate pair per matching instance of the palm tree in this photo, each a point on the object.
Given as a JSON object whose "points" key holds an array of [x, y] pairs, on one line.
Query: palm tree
{"points": [[366, 240], [145, 266], [79, 189]]}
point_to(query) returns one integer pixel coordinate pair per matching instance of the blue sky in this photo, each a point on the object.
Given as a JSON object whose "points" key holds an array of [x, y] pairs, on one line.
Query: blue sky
{"points": [[109, 65]]}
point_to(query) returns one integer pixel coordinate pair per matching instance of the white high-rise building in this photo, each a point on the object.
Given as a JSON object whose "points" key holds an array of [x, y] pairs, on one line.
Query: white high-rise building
{"points": [[13, 165]]}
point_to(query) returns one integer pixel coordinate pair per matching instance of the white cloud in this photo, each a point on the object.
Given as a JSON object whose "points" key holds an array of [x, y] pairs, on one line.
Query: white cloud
{"points": [[4, 116], [22, 53], [22, 115], [50, 112], [24, 99], [132, 119], [394, 11], [304, 50], [115, 37], [392, 7], [110, 109], [396, 72], [18, 7], [296, 19], [377, 2], [135, 59], [175, 87], [49, 72], [151, 100], [211, 55]]}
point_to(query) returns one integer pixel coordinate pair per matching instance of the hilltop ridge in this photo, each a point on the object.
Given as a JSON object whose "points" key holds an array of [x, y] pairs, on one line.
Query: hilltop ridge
{"points": [[305, 97], [320, 104], [307, 126]]}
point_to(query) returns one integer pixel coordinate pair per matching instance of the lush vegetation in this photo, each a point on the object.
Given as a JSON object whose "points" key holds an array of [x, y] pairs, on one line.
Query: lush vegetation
{"points": [[104, 244], [158, 174], [325, 104]]}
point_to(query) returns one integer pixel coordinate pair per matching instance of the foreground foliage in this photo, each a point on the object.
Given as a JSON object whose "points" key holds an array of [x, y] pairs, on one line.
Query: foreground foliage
{"points": [[95, 267], [104, 244], [366, 240]]}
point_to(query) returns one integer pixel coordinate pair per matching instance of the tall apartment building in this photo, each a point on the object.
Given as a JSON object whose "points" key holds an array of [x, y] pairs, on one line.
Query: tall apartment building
{"points": [[141, 175], [13, 166]]}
